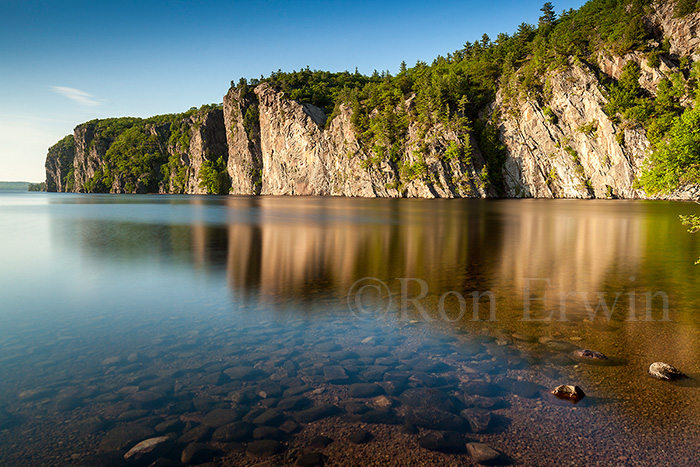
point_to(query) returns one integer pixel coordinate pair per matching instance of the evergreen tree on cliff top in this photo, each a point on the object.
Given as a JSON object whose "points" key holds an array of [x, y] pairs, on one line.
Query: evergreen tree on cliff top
{"points": [[548, 16]]}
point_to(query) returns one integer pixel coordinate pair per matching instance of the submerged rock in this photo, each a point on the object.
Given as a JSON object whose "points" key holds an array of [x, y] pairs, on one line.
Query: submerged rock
{"points": [[590, 356], [316, 413], [569, 392], [264, 448], [198, 453], [483, 454], [149, 450], [312, 459], [360, 437], [478, 419], [442, 441], [664, 371]]}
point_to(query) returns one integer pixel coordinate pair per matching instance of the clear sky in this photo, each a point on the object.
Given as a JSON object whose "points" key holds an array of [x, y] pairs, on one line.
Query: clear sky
{"points": [[65, 62]]}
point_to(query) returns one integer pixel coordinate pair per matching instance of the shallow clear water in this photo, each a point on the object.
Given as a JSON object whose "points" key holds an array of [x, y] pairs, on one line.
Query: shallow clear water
{"points": [[168, 287]]}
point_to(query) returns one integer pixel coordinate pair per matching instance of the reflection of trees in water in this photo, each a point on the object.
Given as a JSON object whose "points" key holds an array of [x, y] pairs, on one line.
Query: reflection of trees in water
{"points": [[278, 249]]}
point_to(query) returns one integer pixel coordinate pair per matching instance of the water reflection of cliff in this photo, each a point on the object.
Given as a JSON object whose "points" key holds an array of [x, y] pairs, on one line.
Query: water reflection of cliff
{"points": [[295, 248], [276, 249]]}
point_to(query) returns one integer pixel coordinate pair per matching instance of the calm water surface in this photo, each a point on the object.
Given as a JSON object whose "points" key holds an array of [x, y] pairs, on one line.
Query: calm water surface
{"points": [[106, 296]]}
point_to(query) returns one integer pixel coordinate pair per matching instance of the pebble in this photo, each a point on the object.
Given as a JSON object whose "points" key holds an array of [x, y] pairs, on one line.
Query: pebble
{"points": [[664, 371]]}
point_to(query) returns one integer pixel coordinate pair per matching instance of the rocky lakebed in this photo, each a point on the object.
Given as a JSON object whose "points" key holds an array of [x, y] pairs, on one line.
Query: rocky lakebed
{"points": [[319, 392]]}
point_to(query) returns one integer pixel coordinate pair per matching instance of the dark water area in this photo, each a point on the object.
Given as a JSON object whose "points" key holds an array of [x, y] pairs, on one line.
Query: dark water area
{"points": [[237, 330]]}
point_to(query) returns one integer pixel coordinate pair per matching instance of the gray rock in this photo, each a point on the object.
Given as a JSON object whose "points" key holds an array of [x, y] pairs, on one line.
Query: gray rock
{"points": [[167, 426], [131, 415], [294, 403], [196, 434], [312, 459], [198, 453], [289, 426], [664, 371], [268, 432], [221, 417], [149, 450], [36, 394], [264, 448], [360, 436], [478, 419], [483, 454], [320, 441], [67, 403], [236, 431], [443, 441], [335, 374], [429, 398], [591, 357], [316, 413], [270, 417], [296, 390], [124, 437], [146, 399]]}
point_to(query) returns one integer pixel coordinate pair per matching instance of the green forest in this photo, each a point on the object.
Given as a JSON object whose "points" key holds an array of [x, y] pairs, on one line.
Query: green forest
{"points": [[453, 91]]}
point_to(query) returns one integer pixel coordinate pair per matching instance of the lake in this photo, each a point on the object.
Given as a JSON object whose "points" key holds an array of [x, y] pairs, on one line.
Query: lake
{"points": [[236, 330]]}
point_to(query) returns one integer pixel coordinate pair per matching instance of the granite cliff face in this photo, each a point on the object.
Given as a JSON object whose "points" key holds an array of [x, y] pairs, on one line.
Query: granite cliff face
{"points": [[558, 143], [567, 147], [281, 147]]}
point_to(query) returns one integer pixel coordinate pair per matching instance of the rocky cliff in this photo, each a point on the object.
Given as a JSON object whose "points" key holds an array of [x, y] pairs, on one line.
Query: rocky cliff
{"points": [[289, 150], [561, 141]]}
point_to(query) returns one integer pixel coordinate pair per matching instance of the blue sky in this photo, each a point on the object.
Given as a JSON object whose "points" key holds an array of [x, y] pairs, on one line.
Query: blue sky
{"points": [[66, 62]]}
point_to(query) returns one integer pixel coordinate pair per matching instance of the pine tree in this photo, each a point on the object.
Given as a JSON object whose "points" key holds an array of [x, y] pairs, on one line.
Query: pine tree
{"points": [[548, 16]]}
